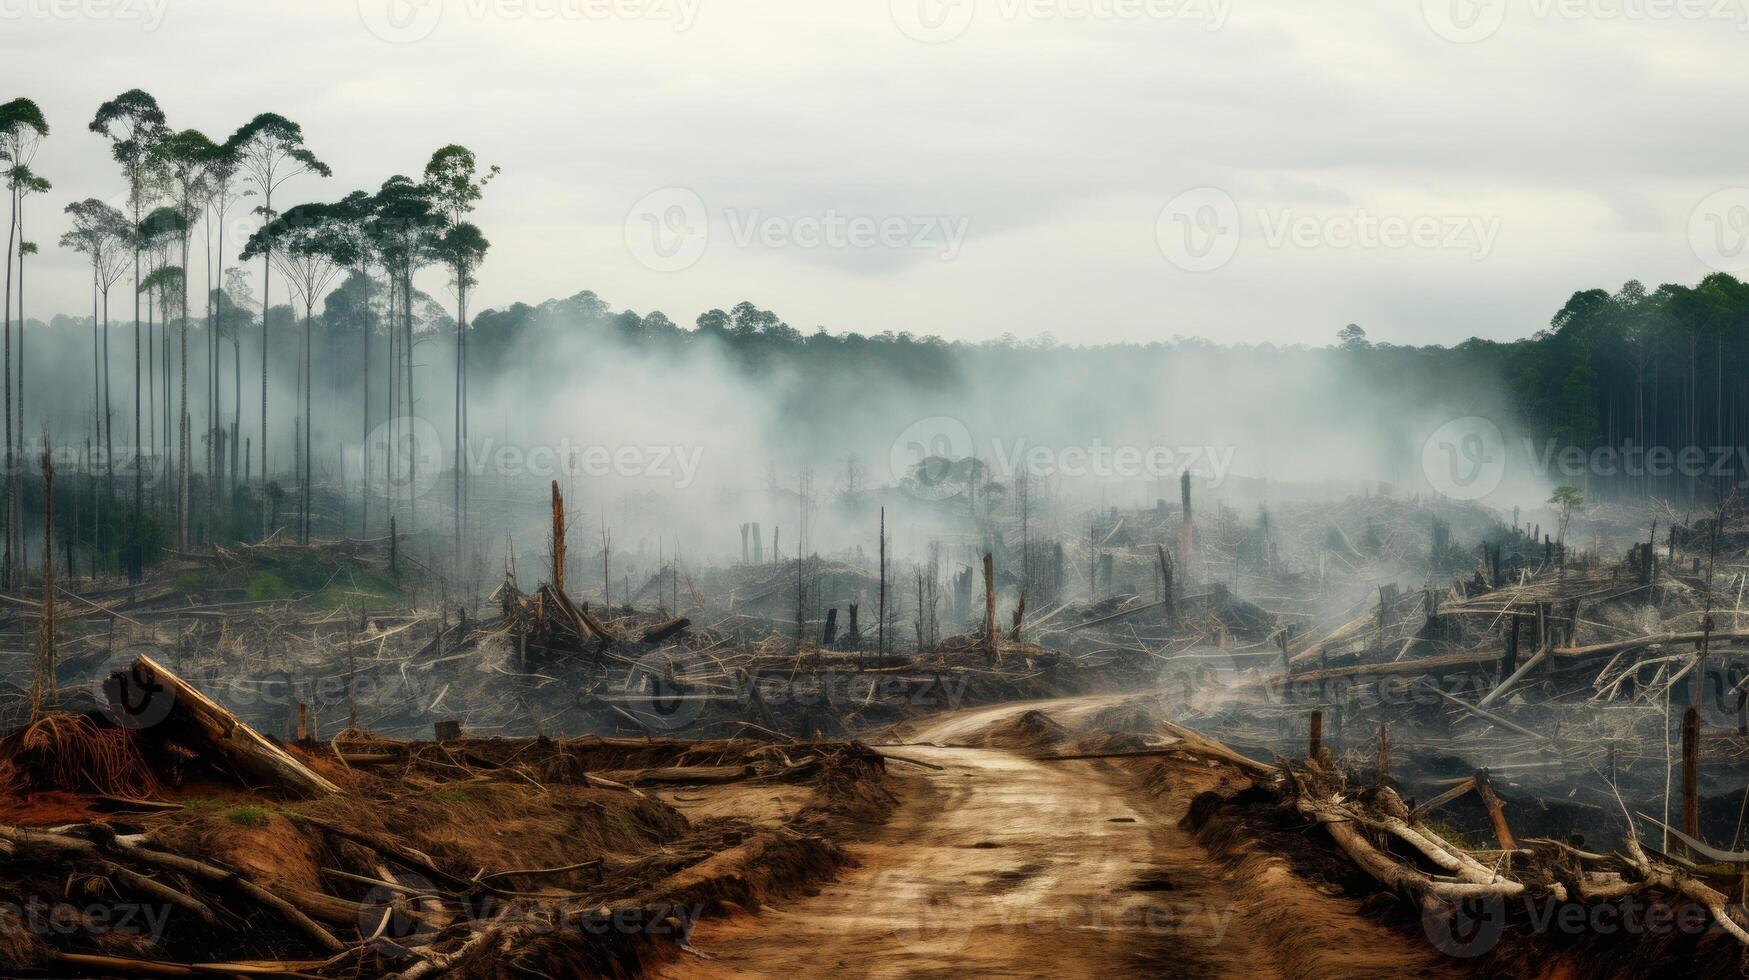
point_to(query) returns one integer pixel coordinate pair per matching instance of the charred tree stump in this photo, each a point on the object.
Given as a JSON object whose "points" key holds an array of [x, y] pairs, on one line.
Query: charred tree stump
{"points": [[558, 539], [991, 642]]}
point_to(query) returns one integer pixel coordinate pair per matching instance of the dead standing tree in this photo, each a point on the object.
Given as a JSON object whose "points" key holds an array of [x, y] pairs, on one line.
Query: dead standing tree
{"points": [[42, 687], [558, 539]]}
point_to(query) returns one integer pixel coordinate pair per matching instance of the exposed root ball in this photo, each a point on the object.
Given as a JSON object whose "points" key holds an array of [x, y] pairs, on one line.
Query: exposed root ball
{"points": [[72, 752]]}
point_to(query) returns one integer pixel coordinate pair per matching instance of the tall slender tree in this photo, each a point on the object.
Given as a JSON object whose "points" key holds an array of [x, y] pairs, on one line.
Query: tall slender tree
{"points": [[270, 150], [28, 183], [455, 181], [310, 248], [105, 237], [133, 122], [22, 128], [222, 195], [351, 218], [186, 157], [401, 231]]}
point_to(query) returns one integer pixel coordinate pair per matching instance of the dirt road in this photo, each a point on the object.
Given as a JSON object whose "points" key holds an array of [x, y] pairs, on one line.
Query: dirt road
{"points": [[999, 865]]}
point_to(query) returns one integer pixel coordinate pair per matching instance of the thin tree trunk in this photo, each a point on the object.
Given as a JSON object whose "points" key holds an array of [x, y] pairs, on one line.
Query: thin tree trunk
{"points": [[182, 422], [136, 559], [364, 443], [266, 306], [413, 455], [6, 572], [309, 396]]}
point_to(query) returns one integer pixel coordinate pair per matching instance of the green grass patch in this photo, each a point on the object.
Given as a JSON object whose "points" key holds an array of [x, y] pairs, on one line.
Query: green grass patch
{"points": [[1453, 835], [193, 581], [452, 796], [267, 585], [247, 816]]}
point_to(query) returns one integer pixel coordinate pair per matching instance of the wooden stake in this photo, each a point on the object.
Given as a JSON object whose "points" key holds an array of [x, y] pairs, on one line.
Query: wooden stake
{"points": [[1384, 767], [1496, 811], [1317, 741], [990, 638]]}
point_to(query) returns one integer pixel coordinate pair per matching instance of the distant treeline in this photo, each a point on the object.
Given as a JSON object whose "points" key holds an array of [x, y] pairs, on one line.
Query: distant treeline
{"points": [[1637, 368]]}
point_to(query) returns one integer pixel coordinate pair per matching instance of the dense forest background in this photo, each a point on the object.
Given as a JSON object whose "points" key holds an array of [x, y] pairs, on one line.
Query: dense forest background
{"points": [[1637, 367]]}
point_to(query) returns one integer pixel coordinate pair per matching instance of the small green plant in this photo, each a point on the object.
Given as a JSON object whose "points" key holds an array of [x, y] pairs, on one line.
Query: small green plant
{"points": [[1452, 835], [452, 796], [193, 582], [268, 586], [628, 829], [247, 816]]}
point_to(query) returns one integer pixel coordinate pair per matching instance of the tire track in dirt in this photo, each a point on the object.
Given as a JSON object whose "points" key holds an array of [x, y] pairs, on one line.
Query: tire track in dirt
{"points": [[1000, 865]]}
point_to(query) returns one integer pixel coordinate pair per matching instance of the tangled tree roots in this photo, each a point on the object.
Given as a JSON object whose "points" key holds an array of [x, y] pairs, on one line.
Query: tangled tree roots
{"points": [[72, 752]]}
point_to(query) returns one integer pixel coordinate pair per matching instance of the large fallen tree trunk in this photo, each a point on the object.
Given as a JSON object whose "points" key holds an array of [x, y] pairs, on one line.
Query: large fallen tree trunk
{"points": [[146, 693]]}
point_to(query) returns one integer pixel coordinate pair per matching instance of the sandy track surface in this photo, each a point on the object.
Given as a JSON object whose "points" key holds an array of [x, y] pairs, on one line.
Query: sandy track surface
{"points": [[999, 865]]}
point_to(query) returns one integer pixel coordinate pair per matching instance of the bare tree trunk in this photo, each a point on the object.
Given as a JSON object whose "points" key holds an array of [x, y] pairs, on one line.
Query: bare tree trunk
{"points": [[136, 559], [182, 421], [558, 576], [43, 683], [881, 627], [6, 570], [266, 308]]}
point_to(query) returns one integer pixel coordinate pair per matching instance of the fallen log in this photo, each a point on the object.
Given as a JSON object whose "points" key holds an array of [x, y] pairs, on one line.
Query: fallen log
{"points": [[139, 692], [664, 630], [682, 775]]}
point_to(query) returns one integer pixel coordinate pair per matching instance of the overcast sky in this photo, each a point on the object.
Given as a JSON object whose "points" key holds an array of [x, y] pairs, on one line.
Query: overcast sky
{"points": [[1258, 170]]}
